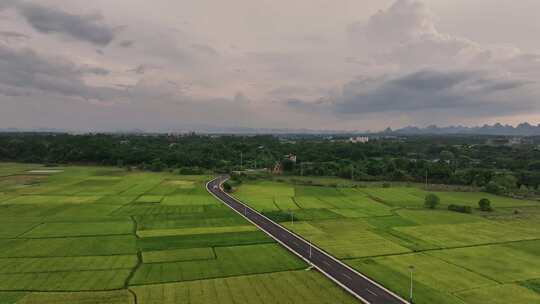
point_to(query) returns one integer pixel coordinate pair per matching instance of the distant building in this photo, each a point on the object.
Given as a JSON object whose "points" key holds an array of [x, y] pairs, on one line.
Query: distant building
{"points": [[359, 139], [514, 141], [291, 157], [278, 169]]}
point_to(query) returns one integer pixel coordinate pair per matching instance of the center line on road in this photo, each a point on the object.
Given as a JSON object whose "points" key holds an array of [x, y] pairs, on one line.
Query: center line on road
{"points": [[326, 263], [371, 292], [348, 277]]}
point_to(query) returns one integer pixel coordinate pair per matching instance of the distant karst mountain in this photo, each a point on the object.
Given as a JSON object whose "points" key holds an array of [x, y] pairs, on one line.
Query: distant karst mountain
{"points": [[523, 129]]}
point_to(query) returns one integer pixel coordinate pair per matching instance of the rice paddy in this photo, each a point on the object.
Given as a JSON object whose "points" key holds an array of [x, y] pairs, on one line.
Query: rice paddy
{"points": [[458, 258], [105, 235]]}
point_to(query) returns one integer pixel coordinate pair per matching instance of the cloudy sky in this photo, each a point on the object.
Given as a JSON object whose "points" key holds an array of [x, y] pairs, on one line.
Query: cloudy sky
{"points": [[319, 64]]}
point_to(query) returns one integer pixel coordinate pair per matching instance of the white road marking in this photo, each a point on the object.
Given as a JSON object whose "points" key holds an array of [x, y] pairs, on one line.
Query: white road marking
{"points": [[371, 292], [348, 277], [326, 263]]}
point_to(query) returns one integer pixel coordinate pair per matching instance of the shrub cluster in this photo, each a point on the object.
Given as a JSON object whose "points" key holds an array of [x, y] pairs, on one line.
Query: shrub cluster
{"points": [[460, 208]]}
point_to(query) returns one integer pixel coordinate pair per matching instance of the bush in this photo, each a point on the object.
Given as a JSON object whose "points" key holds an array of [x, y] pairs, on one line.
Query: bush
{"points": [[494, 188], [191, 171], [460, 208], [386, 185], [227, 187], [485, 205], [432, 201]]}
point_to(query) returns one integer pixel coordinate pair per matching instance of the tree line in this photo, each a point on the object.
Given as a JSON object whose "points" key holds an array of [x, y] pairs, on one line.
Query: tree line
{"points": [[459, 160]]}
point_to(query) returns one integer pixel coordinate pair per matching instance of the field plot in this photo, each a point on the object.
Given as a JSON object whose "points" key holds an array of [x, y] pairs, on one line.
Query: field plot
{"points": [[68, 246], [79, 229], [466, 234], [179, 255], [493, 261], [501, 294], [96, 297], [229, 261], [281, 287], [458, 258], [397, 197], [55, 264], [346, 238], [440, 275], [65, 281]]}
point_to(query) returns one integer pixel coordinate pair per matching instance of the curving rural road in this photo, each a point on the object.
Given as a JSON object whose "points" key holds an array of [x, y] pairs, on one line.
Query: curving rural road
{"points": [[355, 283]]}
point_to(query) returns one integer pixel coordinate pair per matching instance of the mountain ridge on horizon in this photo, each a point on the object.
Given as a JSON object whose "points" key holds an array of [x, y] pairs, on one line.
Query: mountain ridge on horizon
{"points": [[522, 129]]}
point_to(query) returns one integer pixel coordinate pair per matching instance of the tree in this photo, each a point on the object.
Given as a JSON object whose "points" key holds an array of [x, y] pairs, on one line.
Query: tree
{"points": [[447, 155], [157, 165], [227, 187], [485, 205], [432, 201], [494, 188]]}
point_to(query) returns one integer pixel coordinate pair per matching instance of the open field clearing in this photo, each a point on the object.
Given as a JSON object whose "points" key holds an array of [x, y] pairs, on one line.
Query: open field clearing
{"points": [[281, 287], [90, 234], [458, 258]]}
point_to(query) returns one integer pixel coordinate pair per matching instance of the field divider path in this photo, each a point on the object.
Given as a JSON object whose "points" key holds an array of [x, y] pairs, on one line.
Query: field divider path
{"points": [[357, 284]]}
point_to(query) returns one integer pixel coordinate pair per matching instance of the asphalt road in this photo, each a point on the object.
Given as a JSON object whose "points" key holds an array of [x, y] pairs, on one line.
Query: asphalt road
{"points": [[357, 284]]}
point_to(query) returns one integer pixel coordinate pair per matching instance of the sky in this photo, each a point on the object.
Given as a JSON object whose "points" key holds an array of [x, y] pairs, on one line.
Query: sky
{"points": [[163, 65]]}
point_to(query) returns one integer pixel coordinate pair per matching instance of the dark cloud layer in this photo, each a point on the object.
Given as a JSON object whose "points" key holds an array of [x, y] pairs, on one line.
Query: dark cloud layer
{"points": [[431, 90], [422, 92], [24, 72], [49, 20]]}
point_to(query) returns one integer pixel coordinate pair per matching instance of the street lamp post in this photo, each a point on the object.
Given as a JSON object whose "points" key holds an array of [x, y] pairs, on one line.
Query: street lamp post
{"points": [[411, 268]]}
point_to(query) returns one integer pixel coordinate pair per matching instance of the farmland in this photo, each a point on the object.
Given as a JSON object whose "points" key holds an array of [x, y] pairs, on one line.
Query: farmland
{"points": [[106, 235], [483, 257]]}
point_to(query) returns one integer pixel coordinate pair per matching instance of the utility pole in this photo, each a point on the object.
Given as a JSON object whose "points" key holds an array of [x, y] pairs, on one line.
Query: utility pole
{"points": [[426, 179], [411, 268]]}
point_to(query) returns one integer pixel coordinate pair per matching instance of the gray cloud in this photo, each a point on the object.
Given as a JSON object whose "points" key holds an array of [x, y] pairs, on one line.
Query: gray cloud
{"points": [[431, 90], [85, 27], [405, 33], [127, 43], [205, 49], [24, 72], [12, 35], [427, 91]]}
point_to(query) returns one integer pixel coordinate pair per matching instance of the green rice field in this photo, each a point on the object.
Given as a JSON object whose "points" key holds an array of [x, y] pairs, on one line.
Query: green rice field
{"points": [[483, 257], [105, 235]]}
